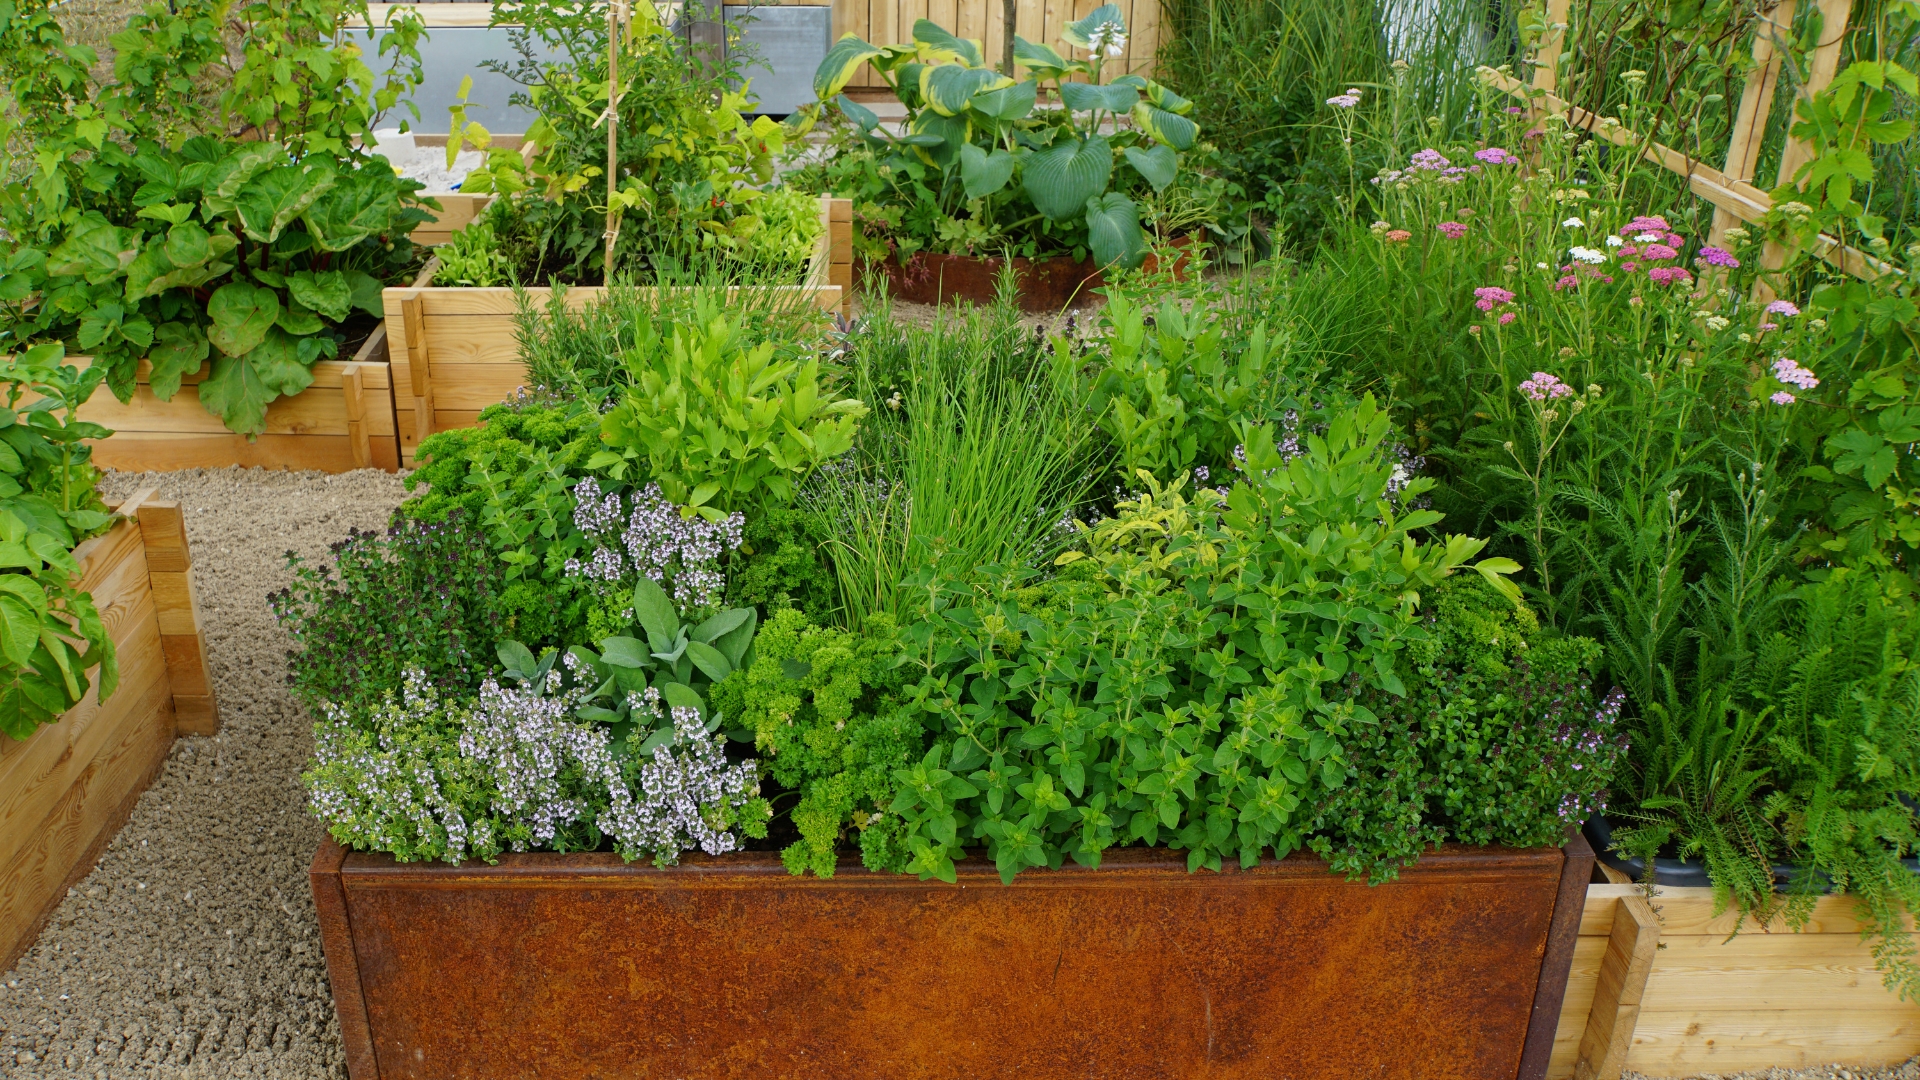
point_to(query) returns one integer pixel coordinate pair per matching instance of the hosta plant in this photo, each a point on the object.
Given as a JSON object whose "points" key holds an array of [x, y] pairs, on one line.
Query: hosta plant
{"points": [[983, 164]]}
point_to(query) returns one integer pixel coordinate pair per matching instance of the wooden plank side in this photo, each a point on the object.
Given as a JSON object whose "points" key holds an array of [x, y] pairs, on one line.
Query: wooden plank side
{"points": [[314, 411], [58, 809], [167, 452], [1618, 991], [472, 387], [1687, 1044]]}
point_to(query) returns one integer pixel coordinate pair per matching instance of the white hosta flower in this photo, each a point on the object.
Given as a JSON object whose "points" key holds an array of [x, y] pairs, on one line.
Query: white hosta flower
{"points": [[1588, 255]]}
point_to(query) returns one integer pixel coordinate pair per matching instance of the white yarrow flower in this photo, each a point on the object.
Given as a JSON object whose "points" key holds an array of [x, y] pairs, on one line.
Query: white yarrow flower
{"points": [[1573, 223], [1588, 255], [1614, 241]]}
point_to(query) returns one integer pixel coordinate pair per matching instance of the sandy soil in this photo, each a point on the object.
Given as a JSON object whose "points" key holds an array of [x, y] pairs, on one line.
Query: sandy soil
{"points": [[191, 951]]}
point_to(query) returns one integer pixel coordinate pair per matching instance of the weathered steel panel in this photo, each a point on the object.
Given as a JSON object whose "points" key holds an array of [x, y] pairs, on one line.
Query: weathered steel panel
{"points": [[580, 967]]}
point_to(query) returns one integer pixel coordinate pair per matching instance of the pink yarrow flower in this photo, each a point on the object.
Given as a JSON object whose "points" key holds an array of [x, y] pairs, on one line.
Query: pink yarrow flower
{"points": [[1659, 251], [1452, 230], [1396, 236], [1544, 387], [1783, 307], [1670, 275], [1506, 317], [1494, 155], [1429, 159], [1713, 256], [1645, 223], [1781, 398], [1491, 296], [1793, 374]]}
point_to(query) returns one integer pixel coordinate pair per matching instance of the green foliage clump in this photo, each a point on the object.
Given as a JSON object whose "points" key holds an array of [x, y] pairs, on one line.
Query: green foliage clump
{"points": [[782, 563], [50, 632], [1498, 740], [514, 475], [147, 232], [978, 169], [818, 703], [420, 596], [721, 424], [1196, 686]]}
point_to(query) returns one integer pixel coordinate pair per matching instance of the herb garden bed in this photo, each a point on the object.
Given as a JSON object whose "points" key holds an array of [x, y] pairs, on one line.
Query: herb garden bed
{"points": [[66, 789], [580, 965], [454, 350]]}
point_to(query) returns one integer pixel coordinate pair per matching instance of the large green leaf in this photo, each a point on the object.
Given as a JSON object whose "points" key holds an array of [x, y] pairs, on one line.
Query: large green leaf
{"points": [[276, 197], [19, 624], [367, 293], [1086, 97], [984, 173], [952, 131], [949, 88], [1113, 231], [1061, 178], [325, 291], [1162, 97], [1008, 103], [1079, 33], [841, 61], [353, 209], [279, 365], [1158, 164], [234, 393], [232, 174], [179, 348], [95, 249], [188, 245], [936, 43], [242, 313], [1170, 128], [1042, 60], [654, 610], [296, 319], [863, 118]]}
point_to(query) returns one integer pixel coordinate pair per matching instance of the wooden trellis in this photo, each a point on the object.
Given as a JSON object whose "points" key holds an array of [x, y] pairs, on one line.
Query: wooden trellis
{"points": [[1730, 189]]}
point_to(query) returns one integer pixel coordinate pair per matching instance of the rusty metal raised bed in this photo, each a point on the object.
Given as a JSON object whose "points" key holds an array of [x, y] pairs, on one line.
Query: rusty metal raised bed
{"points": [[580, 966]]}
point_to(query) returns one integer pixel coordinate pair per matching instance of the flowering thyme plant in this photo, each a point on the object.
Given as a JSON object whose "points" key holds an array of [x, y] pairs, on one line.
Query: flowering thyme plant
{"points": [[646, 536]]}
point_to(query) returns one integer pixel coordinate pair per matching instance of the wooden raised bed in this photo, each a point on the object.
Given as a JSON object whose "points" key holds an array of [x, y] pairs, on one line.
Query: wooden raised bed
{"points": [[580, 966], [454, 351], [1660, 989], [68, 787]]}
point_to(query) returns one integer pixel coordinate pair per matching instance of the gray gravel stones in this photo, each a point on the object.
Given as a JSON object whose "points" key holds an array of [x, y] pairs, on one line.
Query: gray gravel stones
{"points": [[191, 951]]}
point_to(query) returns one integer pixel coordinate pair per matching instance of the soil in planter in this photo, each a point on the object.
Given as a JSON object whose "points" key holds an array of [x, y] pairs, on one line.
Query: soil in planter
{"points": [[192, 950]]}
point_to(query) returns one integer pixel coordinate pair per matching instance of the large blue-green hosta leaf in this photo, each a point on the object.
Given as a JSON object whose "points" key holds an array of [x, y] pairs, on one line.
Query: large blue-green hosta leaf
{"points": [[1158, 164], [1008, 103], [936, 43], [1042, 60], [983, 173], [1061, 178], [1165, 127], [1086, 97], [1113, 231]]}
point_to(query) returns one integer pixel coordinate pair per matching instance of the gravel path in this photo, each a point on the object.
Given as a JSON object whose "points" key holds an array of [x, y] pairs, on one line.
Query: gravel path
{"points": [[191, 951]]}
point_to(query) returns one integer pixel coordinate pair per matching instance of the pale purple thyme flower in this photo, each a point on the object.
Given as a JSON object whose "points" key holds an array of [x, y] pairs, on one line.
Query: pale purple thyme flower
{"points": [[1494, 155], [1713, 256], [1783, 307], [1544, 387]]}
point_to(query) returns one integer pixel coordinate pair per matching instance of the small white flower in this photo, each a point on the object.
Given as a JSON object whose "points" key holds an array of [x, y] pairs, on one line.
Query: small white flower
{"points": [[1588, 255], [1614, 241], [1648, 238], [1573, 223], [1716, 323], [1540, 266]]}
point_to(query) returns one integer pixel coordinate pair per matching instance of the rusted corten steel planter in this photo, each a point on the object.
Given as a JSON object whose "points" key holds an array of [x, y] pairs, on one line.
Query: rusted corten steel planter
{"points": [[578, 966]]}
